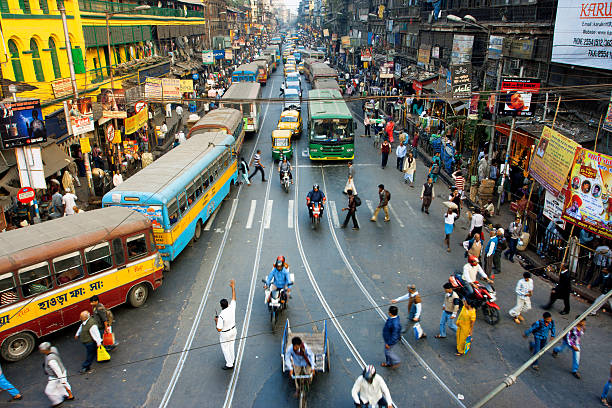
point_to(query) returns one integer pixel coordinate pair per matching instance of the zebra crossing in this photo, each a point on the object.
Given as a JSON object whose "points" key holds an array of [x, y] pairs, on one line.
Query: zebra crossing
{"points": [[400, 214]]}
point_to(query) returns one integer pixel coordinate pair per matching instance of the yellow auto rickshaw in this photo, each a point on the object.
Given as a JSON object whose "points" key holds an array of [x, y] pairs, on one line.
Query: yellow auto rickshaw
{"points": [[281, 144]]}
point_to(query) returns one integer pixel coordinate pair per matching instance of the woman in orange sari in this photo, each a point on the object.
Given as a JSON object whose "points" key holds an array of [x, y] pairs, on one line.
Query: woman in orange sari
{"points": [[465, 325]]}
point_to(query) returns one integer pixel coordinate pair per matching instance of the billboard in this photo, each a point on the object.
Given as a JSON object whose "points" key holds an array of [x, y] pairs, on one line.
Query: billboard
{"points": [[113, 103], [588, 202], [207, 56], [462, 49], [516, 96], [461, 80], [553, 208], [552, 160], [79, 115], [61, 87], [423, 54], [171, 88], [582, 34], [153, 88], [21, 124]]}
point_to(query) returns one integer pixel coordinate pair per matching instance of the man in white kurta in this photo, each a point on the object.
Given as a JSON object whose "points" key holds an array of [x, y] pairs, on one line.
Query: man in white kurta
{"points": [[226, 326], [57, 389]]}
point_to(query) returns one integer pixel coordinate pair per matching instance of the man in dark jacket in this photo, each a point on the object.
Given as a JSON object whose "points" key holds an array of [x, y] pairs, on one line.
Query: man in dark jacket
{"points": [[352, 209], [561, 291], [383, 196], [392, 333]]}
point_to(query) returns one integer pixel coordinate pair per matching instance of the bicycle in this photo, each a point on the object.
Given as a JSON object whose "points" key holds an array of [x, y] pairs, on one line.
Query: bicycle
{"points": [[303, 387]]}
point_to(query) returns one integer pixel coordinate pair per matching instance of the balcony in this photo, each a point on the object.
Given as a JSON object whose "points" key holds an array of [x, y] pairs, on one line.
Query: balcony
{"points": [[98, 6]]}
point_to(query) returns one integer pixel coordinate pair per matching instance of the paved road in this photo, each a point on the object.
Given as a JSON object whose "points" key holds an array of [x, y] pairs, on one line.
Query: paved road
{"points": [[341, 273]]}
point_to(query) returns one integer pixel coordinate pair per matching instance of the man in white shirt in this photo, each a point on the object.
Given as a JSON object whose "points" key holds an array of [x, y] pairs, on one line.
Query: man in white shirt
{"points": [[58, 389], [164, 129], [477, 223], [117, 179], [69, 202], [400, 152], [371, 390], [226, 326], [471, 270], [168, 110], [524, 291], [181, 137], [89, 335], [179, 111]]}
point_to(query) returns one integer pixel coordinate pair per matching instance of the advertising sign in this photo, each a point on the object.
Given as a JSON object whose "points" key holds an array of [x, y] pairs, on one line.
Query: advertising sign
{"points": [[588, 202], [553, 208], [61, 87], [31, 174], [462, 49], [229, 54], [21, 124], [345, 41], [496, 43], [153, 88], [186, 86], [423, 55], [607, 125], [325, 32], [386, 70], [515, 97], [461, 80], [133, 123], [435, 52], [473, 112], [218, 54], [208, 58], [171, 88], [552, 160], [417, 86], [79, 115], [113, 103], [582, 34], [366, 55]]}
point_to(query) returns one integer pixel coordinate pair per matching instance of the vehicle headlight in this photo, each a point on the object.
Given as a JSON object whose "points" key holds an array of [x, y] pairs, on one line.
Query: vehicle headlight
{"points": [[349, 150]]}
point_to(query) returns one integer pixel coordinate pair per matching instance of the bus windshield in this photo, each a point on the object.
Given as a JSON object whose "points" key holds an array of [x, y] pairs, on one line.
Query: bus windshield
{"points": [[331, 130]]}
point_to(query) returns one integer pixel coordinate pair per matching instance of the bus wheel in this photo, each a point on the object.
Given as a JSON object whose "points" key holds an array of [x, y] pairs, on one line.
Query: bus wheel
{"points": [[198, 231], [138, 295], [18, 346]]}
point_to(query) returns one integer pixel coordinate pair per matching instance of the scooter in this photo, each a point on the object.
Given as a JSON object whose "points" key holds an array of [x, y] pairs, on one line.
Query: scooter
{"points": [[276, 301], [484, 297], [285, 181], [316, 209]]}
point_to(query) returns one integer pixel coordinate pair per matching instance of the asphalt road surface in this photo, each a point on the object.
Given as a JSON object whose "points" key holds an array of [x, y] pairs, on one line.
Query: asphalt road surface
{"points": [[169, 354]]}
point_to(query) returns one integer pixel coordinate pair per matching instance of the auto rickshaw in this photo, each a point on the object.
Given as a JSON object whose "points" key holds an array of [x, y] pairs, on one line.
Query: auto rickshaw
{"points": [[281, 144]]}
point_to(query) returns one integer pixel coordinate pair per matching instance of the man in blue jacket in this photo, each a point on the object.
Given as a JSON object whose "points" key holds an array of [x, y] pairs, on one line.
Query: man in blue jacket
{"points": [[540, 331], [278, 279], [391, 334]]}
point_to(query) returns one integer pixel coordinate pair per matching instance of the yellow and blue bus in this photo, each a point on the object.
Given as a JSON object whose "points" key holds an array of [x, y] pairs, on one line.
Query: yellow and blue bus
{"points": [[179, 191]]}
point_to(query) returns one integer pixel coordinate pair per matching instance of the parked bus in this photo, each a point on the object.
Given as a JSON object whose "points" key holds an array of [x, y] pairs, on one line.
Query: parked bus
{"points": [[179, 191], [331, 128], [248, 94], [226, 120], [321, 70], [49, 271], [245, 73], [263, 70], [326, 83]]}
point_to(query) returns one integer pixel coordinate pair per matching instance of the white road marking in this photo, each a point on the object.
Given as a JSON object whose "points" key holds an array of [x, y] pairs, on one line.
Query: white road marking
{"points": [[249, 222], [370, 206], [410, 209], [211, 219], [334, 213], [383, 316], [290, 215], [268, 214], [397, 218]]}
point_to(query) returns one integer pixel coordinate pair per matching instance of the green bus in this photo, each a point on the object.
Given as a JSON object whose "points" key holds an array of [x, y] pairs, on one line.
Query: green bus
{"points": [[331, 128]]}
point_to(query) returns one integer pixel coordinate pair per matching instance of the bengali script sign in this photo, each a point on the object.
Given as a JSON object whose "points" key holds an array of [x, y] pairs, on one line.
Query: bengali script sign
{"points": [[133, 123], [588, 203], [553, 160]]}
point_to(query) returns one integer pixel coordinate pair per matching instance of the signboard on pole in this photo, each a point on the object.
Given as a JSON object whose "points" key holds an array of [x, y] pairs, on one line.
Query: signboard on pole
{"points": [[79, 115], [462, 49], [61, 87], [516, 96], [345, 41], [423, 54], [133, 123], [229, 54], [588, 202], [186, 85], [461, 80], [21, 124], [110, 132], [35, 177], [582, 34], [553, 208], [325, 32], [552, 160], [366, 55], [474, 101], [26, 195], [208, 58]]}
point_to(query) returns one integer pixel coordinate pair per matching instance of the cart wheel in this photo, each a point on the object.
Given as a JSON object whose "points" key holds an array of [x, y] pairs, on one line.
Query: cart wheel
{"points": [[327, 359]]}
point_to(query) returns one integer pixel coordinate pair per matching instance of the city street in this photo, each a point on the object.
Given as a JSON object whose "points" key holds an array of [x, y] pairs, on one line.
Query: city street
{"points": [[169, 353]]}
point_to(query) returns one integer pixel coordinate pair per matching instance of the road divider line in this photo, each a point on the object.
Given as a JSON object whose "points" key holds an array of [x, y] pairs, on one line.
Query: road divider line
{"points": [[410, 209], [249, 223], [268, 213], [211, 220], [290, 215], [382, 314], [397, 218], [370, 206], [334, 213]]}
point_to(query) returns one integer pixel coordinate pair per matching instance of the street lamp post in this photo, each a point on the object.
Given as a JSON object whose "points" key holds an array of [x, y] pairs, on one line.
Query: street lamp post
{"points": [[108, 15]]}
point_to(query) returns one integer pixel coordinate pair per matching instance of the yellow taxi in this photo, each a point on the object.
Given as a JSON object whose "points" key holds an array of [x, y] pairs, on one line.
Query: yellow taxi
{"points": [[300, 67], [292, 120], [290, 68]]}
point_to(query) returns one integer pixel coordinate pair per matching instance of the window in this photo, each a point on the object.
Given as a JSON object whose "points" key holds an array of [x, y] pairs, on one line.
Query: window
{"points": [[57, 71], [44, 6], [38, 70], [8, 290], [68, 268], [173, 214], [98, 258], [15, 61], [198, 183], [136, 246], [25, 6], [183, 203], [118, 251], [206, 179], [191, 193], [35, 279]]}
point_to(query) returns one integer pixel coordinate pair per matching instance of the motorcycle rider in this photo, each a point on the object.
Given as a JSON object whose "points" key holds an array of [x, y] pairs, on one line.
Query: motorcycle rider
{"points": [[371, 390], [315, 196], [284, 166], [278, 278], [470, 272]]}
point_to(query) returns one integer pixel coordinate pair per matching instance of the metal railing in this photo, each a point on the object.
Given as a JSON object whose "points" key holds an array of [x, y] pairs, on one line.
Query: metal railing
{"points": [[98, 6]]}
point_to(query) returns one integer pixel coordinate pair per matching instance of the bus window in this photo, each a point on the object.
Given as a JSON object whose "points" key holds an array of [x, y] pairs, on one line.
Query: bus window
{"points": [[173, 212], [35, 279], [8, 290], [136, 246], [98, 258], [198, 184], [118, 251], [68, 268], [182, 203], [226, 159], [191, 192], [211, 179]]}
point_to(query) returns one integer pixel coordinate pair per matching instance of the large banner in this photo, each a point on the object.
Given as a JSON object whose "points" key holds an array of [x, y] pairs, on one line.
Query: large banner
{"points": [[588, 203], [21, 124], [553, 160], [462, 49], [186, 86], [516, 96], [582, 34], [133, 123], [79, 115]]}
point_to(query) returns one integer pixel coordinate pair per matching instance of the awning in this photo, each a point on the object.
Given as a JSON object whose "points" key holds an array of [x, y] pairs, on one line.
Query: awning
{"points": [[54, 159], [196, 2]]}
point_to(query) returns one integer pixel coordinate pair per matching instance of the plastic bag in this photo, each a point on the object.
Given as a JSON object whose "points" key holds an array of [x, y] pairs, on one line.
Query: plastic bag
{"points": [[418, 331], [468, 344], [108, 339], [103, 354]]}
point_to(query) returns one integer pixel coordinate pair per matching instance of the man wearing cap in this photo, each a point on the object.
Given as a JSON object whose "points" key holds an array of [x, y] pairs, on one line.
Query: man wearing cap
{"points": [[69, 202], [58, 389]]}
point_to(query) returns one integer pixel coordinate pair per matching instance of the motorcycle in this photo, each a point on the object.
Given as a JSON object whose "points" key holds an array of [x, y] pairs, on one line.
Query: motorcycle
{"points": [[316, 209], [276, 301], [484, 297], [285, 181]]}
